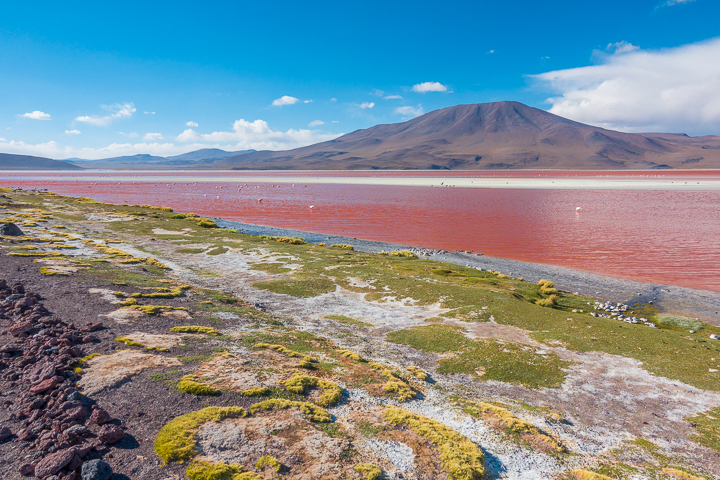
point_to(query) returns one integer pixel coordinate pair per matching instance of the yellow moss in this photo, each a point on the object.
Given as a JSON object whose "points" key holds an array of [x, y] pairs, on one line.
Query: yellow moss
{"points": [[368, 471], [195, 329], [176, 440], [349, 354], [299, 382], [312, 411], [255, 392], [512, 424], [290, 240], [681, 474], [49, 271], [342, 246], [217, 471], [206, 223], [36, 254], [150, 309], [462, 459], [133, 343], [547, 302], [546, 283], [154, 263], [322, 244], [306, 362], [587, 475], [418, 372], [403, 253], [395, 384], [268, 461], [163, 292], [128, 303], [190, 384]]}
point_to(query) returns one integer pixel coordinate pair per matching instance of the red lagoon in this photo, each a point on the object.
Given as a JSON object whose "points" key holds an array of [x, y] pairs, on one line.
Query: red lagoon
{"points": [[670, 237]]}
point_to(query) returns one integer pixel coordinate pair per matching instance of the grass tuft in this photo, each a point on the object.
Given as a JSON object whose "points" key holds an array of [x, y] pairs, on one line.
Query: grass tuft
{"points": [[312, 411]]}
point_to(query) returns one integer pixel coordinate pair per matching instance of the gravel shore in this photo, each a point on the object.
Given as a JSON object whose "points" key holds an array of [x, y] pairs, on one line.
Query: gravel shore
{"points": [[702, 304]]}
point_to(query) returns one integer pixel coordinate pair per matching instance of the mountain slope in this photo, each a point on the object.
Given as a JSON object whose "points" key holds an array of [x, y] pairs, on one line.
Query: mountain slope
{"points": [[204, 158], [501, 135], [9, 161]]}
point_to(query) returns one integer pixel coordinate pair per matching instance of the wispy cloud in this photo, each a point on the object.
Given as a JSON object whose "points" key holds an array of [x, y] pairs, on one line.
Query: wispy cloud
{"points": [[257, 135], [409, 111], [393, 97], [426, 87], [37, 115], [621, 47], [376, 92], [670, 3], [308, 101], [285, 100], [130, 135], [675, 89], [365, 105], [191, 124], [72, 132], [316, 123], [153, 137], [118, 110], [149, 113]]}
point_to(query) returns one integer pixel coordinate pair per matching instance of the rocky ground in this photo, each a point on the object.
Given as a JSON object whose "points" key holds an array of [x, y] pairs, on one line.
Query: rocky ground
{"points": [[136, 345]]}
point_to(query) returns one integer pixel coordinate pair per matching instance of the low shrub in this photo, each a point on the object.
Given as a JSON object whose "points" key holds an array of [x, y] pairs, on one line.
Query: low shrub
{"points": [[403, 253], [368, 471], [547, 302], [342, 246], [268, 461], [206, 223], [178, 216], [195, 329]]}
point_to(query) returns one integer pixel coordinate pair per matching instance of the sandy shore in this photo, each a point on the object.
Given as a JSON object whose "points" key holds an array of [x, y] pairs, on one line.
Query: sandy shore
{"points": [[439, 181], [684, 301]]}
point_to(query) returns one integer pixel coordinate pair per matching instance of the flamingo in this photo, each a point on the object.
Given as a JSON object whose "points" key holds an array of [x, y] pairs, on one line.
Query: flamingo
{"points": [[311, 206], [577, 209]]}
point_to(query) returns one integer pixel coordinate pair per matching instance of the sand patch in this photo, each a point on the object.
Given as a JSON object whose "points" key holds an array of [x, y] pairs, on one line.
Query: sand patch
{"points": [[108, 371], [161, 231], [108, 217], [286, 435], [176, 315], [131, 315], [148, 340], [236, 373], [106, 294], [495, 330]]}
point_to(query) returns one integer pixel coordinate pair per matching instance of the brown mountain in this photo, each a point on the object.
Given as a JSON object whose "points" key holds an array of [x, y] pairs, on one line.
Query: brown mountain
{"points": [[501, 135], [8, 161]]}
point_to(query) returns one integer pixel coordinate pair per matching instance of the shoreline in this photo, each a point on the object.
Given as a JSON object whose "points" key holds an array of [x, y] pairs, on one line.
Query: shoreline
{"points": [[703, 304]]}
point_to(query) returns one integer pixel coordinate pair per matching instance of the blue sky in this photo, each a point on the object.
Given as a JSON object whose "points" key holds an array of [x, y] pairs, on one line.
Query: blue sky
{"points": [[100, 79]]}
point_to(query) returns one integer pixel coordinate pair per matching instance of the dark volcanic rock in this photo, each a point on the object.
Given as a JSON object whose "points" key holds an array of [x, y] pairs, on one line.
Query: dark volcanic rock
{"points": [[100, 417], [5, 433], [96, 470], [11, 230]]}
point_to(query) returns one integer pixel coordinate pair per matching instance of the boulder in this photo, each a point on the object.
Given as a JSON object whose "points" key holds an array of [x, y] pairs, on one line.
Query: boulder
{"points": [[96, 470], [100, 417], [44, 386], [54, 462], [10, 230], [110, 434], [5, 433]]}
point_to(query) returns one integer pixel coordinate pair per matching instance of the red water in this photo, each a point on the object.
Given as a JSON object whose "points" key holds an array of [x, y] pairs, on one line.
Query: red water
{"points": [[670, 237]]}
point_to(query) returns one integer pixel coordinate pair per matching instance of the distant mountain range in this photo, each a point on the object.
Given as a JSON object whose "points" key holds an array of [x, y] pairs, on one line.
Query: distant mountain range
{"points": [[8, 161], [500, 135], [204, 158]]}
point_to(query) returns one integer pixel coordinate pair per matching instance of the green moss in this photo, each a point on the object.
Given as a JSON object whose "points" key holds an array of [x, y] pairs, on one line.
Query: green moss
{"points": [[195, 329], [218, 251], [461, 458], [163, 292], [348, 320], [268, 461], [299, 382], [312, 411], [219, 471], [303, 287], [190, 384], [176, 440], [684, 323], [368, 471], [707, 426], [190, 250], [489, 359], [272, 267]]}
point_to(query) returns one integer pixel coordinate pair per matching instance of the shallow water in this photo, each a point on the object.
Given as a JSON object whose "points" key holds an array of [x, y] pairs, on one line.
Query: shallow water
{"points": [[664, 236]]}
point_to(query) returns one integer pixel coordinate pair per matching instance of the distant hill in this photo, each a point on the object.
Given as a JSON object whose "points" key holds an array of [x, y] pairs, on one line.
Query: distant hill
{"points": [[501, 135], [9, 161], [204, 158]]}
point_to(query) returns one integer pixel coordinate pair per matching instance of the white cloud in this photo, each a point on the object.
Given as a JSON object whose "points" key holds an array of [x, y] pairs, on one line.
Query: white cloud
{"points": [[622, 47], [130, 135], [335, 121], [72, 132], [491, 51], [333, 99], [37, 115], [376, 92], [191, 124], [670, 3], [316, 123], [153, 137], [365, 105], [676, 89], [307, 101], [409, 111], [285, 100], [116, 111], [393, 97], [149, 113], [257, 135], [426, 87]]}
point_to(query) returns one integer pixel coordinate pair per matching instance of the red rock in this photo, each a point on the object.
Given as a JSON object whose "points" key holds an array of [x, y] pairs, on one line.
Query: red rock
{"points": [[110, 434], [75, 463], [26, 434], [77, 414], [100, 417], [52, 464], [19, 328], [44, 386], [26, 469], [5, 433]]}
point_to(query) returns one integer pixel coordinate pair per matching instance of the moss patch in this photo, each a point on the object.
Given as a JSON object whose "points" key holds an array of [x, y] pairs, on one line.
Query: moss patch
{"points": [[707, 426], [298, 383], [312, 411]]}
